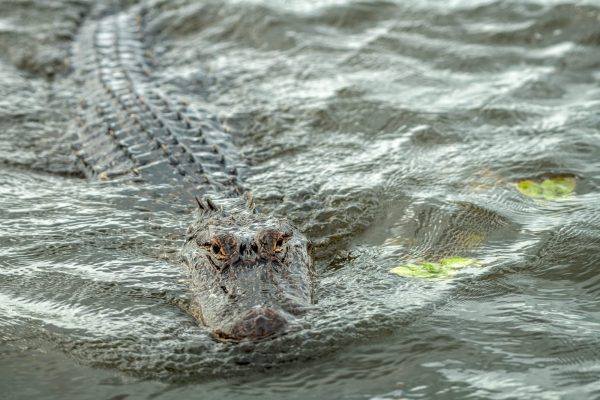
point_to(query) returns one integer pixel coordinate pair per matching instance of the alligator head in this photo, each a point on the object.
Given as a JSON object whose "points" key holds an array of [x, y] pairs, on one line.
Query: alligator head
{"points": [[250, 275]]}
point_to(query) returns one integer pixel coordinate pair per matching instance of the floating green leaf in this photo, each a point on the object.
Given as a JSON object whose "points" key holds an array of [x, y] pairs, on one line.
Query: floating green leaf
{"points": [[443, 269], [550, 189], [458, 262]]}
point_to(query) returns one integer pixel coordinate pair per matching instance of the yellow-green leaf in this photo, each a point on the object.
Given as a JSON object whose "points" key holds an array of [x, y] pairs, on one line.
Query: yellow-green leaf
{"points": [[550, 189], [414, 271], [458, 262], [443, 269]]}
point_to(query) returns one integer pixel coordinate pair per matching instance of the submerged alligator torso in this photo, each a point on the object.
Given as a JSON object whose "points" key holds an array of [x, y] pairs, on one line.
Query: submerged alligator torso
{"points": [[249, 273]]}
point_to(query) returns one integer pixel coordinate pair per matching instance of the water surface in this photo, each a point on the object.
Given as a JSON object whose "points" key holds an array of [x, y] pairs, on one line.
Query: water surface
{"points": [[389, 132]]}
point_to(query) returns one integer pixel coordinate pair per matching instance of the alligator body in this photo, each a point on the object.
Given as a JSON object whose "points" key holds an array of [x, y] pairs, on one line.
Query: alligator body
{"points": [[250, 274]]}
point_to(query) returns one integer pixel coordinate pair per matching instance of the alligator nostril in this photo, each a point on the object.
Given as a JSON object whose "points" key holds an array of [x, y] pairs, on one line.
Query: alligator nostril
{"points": [[242, 248], [262, 326], [254, 247]]}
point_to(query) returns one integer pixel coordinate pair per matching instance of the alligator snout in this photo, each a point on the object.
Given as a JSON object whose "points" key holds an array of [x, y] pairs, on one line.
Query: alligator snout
{"points": [[258, 323]]}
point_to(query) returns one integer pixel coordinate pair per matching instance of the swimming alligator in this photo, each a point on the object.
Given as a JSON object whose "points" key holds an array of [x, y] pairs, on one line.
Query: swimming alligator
{"points": [[250, 274]]}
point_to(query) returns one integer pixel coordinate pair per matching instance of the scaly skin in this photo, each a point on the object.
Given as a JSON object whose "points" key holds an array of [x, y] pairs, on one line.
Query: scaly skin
{"points": [[250, 274]]}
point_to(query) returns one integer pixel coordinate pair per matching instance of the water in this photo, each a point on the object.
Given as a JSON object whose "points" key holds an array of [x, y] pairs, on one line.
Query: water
{"points": [[390, 132]]}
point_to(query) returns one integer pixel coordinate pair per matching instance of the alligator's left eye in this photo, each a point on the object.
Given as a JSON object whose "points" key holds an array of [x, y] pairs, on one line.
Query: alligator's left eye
{"points": [[272, 243]]}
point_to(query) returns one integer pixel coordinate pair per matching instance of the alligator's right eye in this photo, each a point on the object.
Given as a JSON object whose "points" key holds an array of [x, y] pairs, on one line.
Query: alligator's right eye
{"points": [[278, 247], [216, 249]]}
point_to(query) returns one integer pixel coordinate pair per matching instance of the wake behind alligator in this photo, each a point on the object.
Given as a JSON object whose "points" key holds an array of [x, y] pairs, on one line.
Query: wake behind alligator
{"points": [[250, 274]]}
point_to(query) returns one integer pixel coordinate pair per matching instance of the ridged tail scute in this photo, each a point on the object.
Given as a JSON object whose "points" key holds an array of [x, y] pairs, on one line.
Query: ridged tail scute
{"points": [[250, 201], [206, 205]]}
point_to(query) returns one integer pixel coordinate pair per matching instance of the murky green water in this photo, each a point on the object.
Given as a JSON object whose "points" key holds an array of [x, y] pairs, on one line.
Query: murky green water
{"points": [[390, 132]]}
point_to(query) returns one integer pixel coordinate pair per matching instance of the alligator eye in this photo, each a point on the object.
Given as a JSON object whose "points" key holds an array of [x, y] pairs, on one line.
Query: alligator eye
{"points": [[279, 244], [216, 250]]}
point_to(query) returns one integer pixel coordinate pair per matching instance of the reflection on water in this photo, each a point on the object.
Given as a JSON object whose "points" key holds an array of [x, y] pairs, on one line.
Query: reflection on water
{"points": [[390, 132]]}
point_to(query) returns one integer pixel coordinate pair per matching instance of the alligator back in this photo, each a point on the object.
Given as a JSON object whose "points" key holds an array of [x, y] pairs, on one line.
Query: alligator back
{"points": [[127, 127]]}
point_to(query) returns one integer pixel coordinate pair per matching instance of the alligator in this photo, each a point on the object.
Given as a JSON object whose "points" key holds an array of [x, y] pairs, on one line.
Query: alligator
{"points": [[250, 274]]}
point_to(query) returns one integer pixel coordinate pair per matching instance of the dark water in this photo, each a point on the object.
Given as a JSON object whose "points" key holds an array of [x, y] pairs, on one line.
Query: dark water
{"points": [[390, 132]]}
